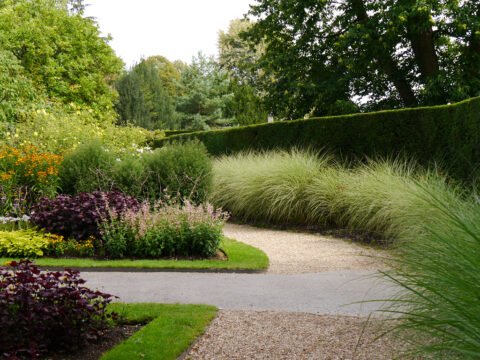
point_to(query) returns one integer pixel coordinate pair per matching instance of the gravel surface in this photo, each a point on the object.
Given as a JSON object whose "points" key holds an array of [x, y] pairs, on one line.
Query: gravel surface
{"points": [[246, 335], [298, 253]]}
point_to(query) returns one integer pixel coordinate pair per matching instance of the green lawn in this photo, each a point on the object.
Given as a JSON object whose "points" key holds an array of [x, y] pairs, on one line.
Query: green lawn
{"points": [[240, 256], [172, 328]]}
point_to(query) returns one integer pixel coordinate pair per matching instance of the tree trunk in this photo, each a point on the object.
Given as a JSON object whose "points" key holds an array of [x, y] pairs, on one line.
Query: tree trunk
{"points": [[424, 50]]}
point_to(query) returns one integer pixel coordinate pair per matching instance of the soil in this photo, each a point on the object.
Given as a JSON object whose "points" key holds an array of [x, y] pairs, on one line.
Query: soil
{"points": [[94, 350]]}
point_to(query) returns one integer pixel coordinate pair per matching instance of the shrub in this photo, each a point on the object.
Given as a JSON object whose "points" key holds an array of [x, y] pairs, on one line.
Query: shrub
{"points": [[85, 169], [78, 216], [23, 243], [129, 176], [55, 127], [449, 133], [165, 230], [26, 174], [45, 311], [177, 171], [58, 246], [184, 170]]}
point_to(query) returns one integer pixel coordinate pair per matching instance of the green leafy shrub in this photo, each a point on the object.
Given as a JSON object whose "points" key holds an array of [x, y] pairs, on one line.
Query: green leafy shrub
{"points": [[129, 175], [179, 170], [449, 134], [164, 230], [56, 127], [182, 170], [86, 169], [28, 243]]}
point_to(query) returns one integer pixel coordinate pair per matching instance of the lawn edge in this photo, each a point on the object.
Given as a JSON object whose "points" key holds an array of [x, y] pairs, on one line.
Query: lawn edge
{"points": [[232, 265]]}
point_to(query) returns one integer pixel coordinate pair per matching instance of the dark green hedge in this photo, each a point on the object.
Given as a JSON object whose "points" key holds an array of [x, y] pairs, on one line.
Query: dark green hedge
{"points": [[449, 133]]}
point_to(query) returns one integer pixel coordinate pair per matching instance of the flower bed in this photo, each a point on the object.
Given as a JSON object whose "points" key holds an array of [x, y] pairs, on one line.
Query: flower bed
{"points": [[113, 226]]}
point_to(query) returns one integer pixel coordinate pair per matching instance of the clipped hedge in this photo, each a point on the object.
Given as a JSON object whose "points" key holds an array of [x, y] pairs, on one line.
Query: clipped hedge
{"points": [[448, 133], [177, 132]]}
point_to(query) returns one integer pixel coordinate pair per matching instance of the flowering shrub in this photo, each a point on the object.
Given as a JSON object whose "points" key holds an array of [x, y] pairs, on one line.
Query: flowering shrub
{"points": [[58, 246], [78, 216], [25, 175], [44, 311], [164, 230]]}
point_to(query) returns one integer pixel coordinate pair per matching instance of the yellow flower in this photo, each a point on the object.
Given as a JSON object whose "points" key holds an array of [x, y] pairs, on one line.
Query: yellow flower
{"points": [[8, 263]]}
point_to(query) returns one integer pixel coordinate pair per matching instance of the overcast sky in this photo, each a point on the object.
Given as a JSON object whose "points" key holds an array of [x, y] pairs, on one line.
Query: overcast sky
{"points": [[177, 29]]}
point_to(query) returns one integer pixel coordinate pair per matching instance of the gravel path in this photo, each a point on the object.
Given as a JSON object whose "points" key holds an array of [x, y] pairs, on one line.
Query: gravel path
{"points": [[298, 253], [242, 335]]}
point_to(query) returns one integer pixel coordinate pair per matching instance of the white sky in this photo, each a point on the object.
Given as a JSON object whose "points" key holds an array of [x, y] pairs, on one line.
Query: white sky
{"points": [[176, 29]]}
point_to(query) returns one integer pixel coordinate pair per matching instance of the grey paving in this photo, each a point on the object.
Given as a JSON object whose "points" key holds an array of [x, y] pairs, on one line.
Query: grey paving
{"points": [[331, 292]]}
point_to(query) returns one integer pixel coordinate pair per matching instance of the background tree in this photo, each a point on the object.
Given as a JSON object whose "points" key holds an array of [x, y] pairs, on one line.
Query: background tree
{"points": [[330, 56], [169, 74], [207, 94], [17, 92], [143, 100], [241, 59], [61, 52]]}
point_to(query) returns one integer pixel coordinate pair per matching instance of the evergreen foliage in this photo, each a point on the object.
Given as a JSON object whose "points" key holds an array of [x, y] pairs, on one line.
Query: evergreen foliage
{"points": [[143, 100], [449, 133]]}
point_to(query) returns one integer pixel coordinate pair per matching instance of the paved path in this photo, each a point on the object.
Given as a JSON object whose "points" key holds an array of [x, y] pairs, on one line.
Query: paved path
{"points": [[319, 293]]}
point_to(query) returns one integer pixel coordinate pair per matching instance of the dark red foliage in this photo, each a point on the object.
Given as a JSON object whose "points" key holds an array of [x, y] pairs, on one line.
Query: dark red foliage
{"points": [[44, 311], [78, 216]]}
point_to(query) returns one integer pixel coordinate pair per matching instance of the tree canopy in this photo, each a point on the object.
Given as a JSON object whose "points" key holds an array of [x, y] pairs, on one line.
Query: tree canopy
{"points": [[142, 98], [61, 52], [206, 90], [332, 56]]}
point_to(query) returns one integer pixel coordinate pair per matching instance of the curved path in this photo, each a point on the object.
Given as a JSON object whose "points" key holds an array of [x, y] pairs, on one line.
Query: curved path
{"points": [[308, 273], [299, 253], [274, 315]]}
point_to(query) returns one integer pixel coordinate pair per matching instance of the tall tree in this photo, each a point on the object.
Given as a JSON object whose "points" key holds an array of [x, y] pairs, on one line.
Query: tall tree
{"points": [[238, 55], [327, 55], [61, 52], [241, 59], [17, 92], [143, 100], [207, 94], [168, 72]]}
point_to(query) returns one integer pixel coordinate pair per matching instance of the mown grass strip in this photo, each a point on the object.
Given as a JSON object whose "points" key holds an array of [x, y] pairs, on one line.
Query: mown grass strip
{"points": [[172, 328], [240, 257]]}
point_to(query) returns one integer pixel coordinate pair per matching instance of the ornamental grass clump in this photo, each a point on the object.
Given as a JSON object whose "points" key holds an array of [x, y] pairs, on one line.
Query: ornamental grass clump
{"points": [[164, 229], [43, 311], [438, 271], [270, 186]]}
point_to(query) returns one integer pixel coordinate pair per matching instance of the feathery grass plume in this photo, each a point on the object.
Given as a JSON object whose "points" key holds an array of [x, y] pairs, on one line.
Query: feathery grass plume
{"points": [[439, 274], [268, 185]]}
